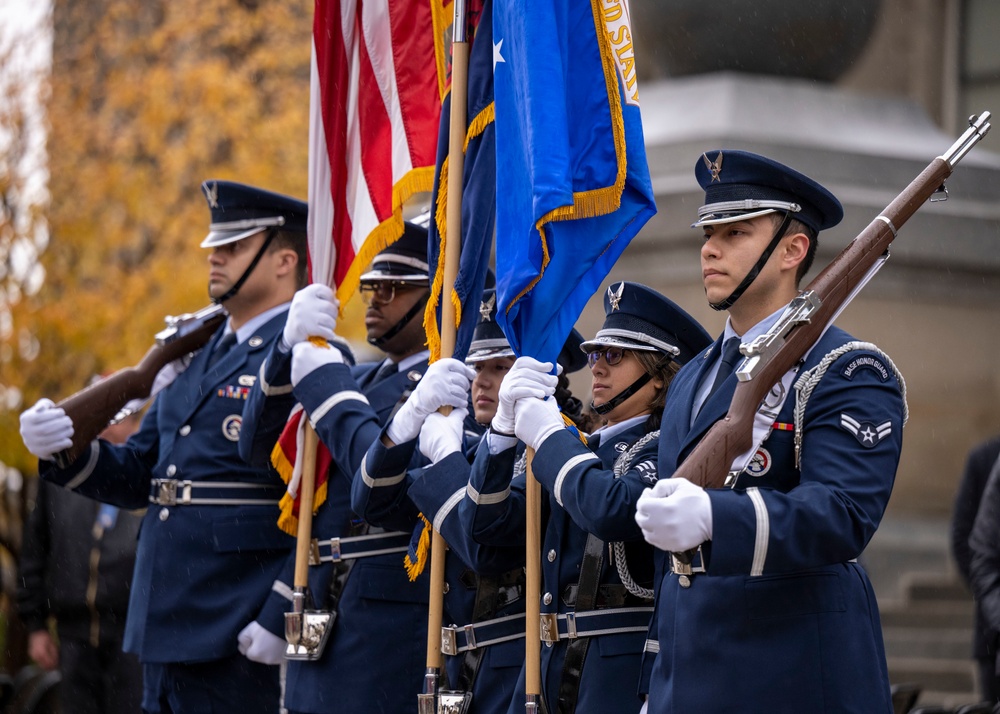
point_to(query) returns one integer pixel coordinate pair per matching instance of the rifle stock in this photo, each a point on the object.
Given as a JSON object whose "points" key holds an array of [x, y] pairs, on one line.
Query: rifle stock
{"points": [[708, 464], [92, 408]]}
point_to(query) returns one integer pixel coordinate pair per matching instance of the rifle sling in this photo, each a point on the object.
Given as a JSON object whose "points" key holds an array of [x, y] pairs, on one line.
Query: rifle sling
{"points": [[492, 593], [586, 599]]}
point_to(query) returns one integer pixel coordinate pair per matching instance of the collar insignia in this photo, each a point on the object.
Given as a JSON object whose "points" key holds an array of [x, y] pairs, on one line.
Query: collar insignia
{"points": [[714, 166], [485, 308], [615, 296]]}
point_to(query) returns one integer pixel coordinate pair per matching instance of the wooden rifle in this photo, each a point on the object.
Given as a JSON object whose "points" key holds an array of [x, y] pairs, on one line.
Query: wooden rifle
{"points": [[771, 355], [91, 409]]}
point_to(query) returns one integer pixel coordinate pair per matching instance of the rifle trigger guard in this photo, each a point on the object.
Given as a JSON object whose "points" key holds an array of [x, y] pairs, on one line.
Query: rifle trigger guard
{"points": [[941, 193]]}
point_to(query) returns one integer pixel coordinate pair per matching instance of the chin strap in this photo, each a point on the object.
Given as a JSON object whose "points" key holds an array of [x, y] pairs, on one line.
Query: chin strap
{"points": [[398, 327], [755, 270], [622, 396], [246, 273]]}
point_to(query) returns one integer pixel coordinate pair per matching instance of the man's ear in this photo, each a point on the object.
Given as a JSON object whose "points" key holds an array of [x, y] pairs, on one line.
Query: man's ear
{"points": [[287, 261], [794, 251]]}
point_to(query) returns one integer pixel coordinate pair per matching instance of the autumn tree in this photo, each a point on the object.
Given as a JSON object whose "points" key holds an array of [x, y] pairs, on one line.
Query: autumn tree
{"points": [[147, 100]]}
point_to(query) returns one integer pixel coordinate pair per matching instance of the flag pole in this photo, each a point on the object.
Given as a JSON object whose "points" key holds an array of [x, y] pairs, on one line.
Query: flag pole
{"points": [[532, 590], [453, 242], [295, 628]]}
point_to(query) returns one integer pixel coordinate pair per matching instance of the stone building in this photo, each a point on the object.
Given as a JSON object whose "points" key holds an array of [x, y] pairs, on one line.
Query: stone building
{"points": [[861, 95]]}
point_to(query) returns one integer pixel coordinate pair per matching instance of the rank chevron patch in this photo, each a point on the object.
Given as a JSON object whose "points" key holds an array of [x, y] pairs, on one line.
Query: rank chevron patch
{"points": [[867, 433]]}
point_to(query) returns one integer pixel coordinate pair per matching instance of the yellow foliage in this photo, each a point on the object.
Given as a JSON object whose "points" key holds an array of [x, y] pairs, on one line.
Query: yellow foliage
{"points": [[147, 101]]}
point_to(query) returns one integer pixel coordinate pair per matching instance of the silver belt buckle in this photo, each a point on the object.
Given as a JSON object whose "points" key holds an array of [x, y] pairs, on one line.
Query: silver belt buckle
{"points": [[448, 644], [167, 492], [681, 568], [548, 627]]}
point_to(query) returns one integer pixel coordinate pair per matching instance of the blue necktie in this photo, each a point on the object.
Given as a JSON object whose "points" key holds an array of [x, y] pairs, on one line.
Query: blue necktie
{"points": [[730, 357], [221, 348]]}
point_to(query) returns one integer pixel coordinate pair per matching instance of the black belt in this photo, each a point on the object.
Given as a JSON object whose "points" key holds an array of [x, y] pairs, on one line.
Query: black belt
{"points": [[571, 625], [174, 492], [334, 550], [482, 634]]}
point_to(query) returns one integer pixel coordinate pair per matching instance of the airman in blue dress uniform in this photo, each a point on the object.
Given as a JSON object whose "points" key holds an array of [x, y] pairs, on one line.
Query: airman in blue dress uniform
{"points": [[483, 638], [374, 659], [597, 572], [774, 614], [209, 547]]}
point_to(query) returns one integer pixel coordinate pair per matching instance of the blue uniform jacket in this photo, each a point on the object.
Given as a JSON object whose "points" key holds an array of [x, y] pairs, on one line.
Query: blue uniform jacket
{"points": [[784, 619], [436, 490], [583, 497], [381, 621], [202, 573]]}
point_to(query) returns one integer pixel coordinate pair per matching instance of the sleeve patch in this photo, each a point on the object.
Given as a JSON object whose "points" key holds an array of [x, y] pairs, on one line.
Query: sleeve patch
{"points": [[647, 472], [867, 433]]}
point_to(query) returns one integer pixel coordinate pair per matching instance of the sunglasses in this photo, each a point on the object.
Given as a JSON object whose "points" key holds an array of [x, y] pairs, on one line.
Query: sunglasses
{"points": [[383, 292], [612, 355]]}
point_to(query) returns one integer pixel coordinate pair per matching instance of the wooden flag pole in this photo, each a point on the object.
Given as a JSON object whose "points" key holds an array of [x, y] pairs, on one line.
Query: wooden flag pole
{"points": [[307, 491], [453, 242], [532, 590]]}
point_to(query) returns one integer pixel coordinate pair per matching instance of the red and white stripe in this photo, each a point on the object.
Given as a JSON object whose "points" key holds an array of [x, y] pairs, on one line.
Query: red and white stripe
{"points": [[375, 106]]}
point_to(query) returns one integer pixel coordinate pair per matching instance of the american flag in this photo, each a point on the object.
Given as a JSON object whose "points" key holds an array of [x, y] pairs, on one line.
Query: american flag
{"points": [[379, 74]]}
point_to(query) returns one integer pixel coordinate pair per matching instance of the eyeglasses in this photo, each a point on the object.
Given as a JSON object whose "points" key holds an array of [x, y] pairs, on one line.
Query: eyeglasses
{"points": [[612, 355], [384, 291]]}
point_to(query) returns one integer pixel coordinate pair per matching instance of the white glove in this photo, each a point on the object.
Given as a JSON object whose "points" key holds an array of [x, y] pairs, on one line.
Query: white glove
{"points": [[46, 430], [307, 357], [675, 515], [645, 706], [527, 377], [313, 313], [445, 383], [259, 645], [536, 419], [441, 435]]}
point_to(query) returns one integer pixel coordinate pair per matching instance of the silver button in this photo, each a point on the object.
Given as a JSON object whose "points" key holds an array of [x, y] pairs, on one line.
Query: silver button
{"points": [[185, 430], [447, 587], [164, 514], [685, 581], [547, 599], [551, 556], [171, 470]]}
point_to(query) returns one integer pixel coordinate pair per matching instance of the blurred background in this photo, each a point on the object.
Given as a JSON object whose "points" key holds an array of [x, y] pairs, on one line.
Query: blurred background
{"points": [[112, 113]]}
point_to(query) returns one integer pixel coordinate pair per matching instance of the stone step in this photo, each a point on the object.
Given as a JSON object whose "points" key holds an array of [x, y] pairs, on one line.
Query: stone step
{"points": [[943, 614], [941, 675], [925, 587], [935, 643]]}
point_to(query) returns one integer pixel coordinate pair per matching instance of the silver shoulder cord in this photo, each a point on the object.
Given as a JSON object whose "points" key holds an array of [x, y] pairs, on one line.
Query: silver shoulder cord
{"points": [[808, 380], [616, 550]]}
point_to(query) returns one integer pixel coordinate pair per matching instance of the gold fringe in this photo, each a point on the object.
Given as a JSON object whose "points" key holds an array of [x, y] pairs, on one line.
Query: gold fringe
{"points": [[441, 19], [414, 569], [431, 329], [287, 520], [387, 232], [478, 125], [570, 423]]}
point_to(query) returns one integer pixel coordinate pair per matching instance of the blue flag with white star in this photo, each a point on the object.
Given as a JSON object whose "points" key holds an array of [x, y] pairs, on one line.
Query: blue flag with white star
{"points": [[573, 184]]}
